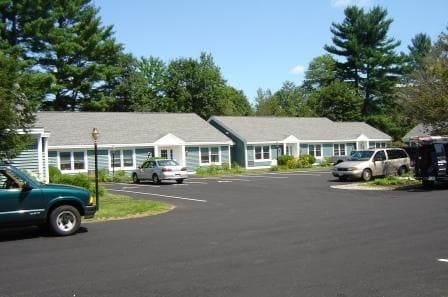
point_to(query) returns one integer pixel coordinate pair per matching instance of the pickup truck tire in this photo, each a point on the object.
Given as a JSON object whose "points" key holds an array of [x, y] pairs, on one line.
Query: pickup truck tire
{"points": [[65, 220]]}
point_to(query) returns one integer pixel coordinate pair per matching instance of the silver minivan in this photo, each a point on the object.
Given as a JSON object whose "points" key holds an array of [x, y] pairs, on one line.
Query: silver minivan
{"points": [[366, 164]]}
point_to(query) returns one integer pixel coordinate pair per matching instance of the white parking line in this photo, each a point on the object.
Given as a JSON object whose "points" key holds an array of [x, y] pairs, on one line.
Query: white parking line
{"points": [[159, 195], [239, 179], [224, 181], [193, 182], [264, 176], [442, 260], [138, 185]]}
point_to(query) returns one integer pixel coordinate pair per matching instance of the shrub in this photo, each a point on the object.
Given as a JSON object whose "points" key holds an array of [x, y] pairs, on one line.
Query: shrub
{"points": [[283, 159], [292, 163], [308, 159], [275, 168], [55, 174], [225, 166], [80, 180]]}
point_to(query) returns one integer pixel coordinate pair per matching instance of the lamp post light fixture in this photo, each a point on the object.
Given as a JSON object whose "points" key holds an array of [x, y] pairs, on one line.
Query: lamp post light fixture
{"points": [[95, 135]]}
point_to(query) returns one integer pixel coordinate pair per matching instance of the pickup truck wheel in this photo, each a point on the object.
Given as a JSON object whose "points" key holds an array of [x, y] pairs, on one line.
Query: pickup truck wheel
{"points": [[366, 175], [156, 179], [65, 220], [135, 178]]}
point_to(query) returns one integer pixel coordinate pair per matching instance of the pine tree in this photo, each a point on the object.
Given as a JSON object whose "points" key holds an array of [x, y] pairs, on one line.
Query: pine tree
{"points": [[370, 63]]}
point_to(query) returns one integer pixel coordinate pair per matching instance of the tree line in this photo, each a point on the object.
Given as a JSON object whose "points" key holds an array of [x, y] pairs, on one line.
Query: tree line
{"points": [[57, 55]]}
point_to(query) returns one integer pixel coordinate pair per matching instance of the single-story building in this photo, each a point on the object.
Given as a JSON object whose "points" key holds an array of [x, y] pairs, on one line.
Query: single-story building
{"points": [[260, 140], [34, 159], [419, 130], [127, 139]]}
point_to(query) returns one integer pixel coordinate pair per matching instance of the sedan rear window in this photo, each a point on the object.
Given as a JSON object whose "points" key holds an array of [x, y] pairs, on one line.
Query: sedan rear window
{"points": [[168, 163]]}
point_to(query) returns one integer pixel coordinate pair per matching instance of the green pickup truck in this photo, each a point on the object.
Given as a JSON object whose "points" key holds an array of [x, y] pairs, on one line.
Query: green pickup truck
{"points": [[26, 201]]}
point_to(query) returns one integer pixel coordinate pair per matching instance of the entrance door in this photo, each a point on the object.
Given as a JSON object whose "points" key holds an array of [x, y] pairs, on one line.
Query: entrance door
{"points": [[166, 153]]}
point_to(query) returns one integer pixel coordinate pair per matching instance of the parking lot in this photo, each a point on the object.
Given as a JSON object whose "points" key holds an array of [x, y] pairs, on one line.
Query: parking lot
{"points": [[279, 234]]}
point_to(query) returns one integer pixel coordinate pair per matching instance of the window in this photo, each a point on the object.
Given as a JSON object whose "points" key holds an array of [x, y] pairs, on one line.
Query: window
{"points": [[214, 154], [396, 154], [374, 144], [204, 155], [65, 161], [315, 150], [72, 161], [121, 158], [262, 153], [339, 149], [210, 155]]}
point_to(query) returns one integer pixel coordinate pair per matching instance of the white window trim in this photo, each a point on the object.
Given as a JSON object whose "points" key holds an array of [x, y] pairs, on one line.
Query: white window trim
{"points": [[262, 153], [72, 161], [209, 156], [339, 144], [121, 158], [321, 150]]}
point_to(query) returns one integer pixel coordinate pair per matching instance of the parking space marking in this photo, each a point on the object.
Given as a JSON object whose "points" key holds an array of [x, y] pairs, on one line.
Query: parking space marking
{"points": [[300, 174], [194, 182], [160, 195], [442, 260], [264, 176], [238, 179], [139, 185]]}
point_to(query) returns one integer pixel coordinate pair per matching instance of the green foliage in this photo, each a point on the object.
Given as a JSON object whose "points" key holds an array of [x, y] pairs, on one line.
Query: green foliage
{"points": [[288, 101], [370, 63], [304, 161], [393, 181], [120, 176], [283, 159], [80, 180], [20, 93], [219, 170], [326, 162], [426, 99], [320, 73], [419, 49], [338, 101]]}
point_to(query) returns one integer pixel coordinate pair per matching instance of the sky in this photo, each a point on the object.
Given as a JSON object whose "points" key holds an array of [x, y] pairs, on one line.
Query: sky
{"points": [[255, 43]]}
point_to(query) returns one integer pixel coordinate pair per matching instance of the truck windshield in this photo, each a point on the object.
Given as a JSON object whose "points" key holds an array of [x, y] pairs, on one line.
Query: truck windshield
{"points": [[360, 156]]}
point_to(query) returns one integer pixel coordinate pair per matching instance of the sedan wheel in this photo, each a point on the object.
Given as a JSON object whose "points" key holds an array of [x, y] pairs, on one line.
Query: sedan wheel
{"points": [[366, 175], [156, 179]]}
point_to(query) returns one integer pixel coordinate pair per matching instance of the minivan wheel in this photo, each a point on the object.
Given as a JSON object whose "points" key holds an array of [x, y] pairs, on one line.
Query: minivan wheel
{"points": [[402, 170], [65, 220], [180, 180], [366, 175], [135, 178], [156, 179]]}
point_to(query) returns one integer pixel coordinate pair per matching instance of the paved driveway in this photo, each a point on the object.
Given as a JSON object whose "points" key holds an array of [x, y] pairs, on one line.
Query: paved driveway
{"points": [[259, 235]]}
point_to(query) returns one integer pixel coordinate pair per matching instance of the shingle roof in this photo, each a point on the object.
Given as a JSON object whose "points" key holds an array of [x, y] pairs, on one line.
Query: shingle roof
{"points": [[74, 128], [419, 130], [261, 129]]}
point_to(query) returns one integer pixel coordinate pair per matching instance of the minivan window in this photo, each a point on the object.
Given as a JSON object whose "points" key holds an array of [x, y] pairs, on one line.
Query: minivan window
{"points": [[360, 156], [380, 156], [396, 154]]}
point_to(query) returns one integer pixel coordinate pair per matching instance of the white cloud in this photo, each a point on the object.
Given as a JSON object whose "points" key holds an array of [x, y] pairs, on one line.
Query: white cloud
{"points": [[299, 69], [345, 3]]}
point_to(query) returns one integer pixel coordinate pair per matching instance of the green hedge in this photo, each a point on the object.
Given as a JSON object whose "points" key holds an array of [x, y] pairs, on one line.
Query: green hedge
{"points": [[79, 179]]}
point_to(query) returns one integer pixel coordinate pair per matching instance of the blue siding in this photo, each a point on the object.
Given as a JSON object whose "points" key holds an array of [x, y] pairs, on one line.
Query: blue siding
{"points": [[262, 163], [192, 158], [327, 150], [141, 154], [237, 151], [27, 160], [103, 160]]}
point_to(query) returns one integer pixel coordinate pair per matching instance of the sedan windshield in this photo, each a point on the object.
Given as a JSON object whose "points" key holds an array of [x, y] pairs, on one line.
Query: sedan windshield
{"points": [[360, 156]]}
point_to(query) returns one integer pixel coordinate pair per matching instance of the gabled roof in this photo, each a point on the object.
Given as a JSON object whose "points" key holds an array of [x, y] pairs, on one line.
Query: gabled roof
{"points": [[419, 130], [127, 128], [277, 129]]}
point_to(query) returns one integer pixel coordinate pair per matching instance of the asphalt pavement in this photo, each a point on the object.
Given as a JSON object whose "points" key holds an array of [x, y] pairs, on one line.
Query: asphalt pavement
{"points": [[259, 235]]}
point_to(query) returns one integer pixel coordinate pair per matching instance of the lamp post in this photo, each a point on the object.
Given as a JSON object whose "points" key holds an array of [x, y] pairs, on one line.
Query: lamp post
{"points": [[113, 161], [95, 135]]}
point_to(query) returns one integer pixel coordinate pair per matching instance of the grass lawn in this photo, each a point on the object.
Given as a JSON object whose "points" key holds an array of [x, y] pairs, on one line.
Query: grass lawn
{"points": [[113, 207]]}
